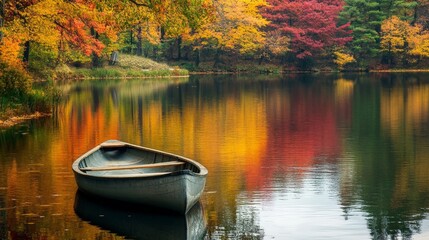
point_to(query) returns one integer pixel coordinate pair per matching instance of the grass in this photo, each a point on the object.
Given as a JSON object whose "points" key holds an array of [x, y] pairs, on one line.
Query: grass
{"points": [[129, 66], [135, 62], [24, 104], [233, 67]]}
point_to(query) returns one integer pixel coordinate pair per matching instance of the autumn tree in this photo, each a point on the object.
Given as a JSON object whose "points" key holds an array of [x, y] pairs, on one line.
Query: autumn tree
{"points": [[342, 58], [402, 40], [233, 26], [365, 19], [394, 36], [276, 44], [164, 22], [59, 26], [419, 43], [310, 24]]}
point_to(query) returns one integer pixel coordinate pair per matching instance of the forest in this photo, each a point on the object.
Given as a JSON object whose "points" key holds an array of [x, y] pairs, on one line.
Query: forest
{"points": [[37, 36]]}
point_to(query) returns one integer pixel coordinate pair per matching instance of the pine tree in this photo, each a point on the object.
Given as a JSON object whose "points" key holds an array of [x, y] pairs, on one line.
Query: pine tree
{"points": [[365, 17]]}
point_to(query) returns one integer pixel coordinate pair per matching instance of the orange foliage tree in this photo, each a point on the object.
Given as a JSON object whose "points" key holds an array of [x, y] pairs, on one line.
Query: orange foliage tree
{"points": [[60, 26]]}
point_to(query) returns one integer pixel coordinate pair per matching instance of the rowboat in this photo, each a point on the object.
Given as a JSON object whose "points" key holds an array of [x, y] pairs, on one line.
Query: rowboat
{"points": [[130, 173], [141, 222]]}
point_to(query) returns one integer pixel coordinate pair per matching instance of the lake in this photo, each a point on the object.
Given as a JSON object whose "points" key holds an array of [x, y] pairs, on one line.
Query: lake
{"points": [[289, 157]]}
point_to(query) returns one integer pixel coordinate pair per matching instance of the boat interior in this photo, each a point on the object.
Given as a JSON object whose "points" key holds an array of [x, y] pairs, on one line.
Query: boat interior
{"points": [[133, 162]]}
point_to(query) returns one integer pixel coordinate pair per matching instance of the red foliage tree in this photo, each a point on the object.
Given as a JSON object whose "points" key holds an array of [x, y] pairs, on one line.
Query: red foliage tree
{"points": [[311, 24]]}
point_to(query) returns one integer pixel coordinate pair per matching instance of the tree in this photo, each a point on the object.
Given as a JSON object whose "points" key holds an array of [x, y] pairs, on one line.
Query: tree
{"points": [[276, 44], [164, 22], [400, 39], [394, 34], [232, 25], [2, 6], [421, 14], [365, 19], [342, 58], [61, 26], [310, 24], [419, 42]]}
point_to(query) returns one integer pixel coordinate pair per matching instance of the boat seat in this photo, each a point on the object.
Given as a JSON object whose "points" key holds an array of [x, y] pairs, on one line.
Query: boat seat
{"points": [[124, 167], [138, 175]]}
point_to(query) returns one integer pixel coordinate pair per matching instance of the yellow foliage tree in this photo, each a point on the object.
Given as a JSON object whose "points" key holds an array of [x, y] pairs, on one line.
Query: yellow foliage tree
{"points": [[399, 36], [10, 48], [419, 44], [394, 34], [342, 58], [234, 25]]}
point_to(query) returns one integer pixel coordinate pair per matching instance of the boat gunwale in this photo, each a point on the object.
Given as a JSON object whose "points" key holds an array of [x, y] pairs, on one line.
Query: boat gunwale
{"points": [[203, 170]]}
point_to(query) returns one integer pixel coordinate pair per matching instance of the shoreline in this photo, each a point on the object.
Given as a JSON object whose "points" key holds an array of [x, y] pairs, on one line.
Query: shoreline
{"points": [[12, 121], [115, 78]]}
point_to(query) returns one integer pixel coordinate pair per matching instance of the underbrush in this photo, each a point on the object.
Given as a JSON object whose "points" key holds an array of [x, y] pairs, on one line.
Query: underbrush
{"points": [[18, 97]]}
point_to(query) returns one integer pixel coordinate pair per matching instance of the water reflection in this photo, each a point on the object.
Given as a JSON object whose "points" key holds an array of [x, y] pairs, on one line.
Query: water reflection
{"points": [[305, 156], [391, 169], [140, 223]]}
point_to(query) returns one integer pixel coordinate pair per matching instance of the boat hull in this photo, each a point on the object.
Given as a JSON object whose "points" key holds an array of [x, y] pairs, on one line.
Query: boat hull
{"points": [[177, 190]]}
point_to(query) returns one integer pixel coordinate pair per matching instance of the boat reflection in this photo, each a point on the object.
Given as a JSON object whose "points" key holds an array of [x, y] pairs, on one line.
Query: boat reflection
{"points": [[136, 222]]}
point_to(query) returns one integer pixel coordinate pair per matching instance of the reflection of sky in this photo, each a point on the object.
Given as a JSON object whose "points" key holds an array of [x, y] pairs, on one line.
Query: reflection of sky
{"points": [[424, 231], [311, 211], [309, 215]]}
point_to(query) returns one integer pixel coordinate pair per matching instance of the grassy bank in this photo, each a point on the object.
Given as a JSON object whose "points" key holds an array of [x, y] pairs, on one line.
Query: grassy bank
{"points": [[19, 98], [128, 66], [15, 108], [230, 67]]}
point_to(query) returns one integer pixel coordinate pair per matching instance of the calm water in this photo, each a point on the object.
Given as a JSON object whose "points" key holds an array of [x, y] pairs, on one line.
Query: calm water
{"points": [[293, 157]]}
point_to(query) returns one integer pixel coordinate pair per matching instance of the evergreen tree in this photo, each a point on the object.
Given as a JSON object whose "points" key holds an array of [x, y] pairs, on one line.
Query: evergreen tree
{"points": [[365, 17]]}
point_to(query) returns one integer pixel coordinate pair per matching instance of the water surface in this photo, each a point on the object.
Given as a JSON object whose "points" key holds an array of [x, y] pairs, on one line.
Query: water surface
{"points": [[289, 157]]}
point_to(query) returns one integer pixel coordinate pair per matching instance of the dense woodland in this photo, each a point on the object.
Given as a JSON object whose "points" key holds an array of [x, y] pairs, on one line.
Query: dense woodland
{"points": [[36, 35]]}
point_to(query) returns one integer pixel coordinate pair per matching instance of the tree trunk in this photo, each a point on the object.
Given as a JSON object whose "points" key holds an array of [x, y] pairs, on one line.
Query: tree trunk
{"points": [[415, 16], [186, 52], [162, 34], [179, 48], [26, 56], [218, 59], [261, 59], [139, 41], [197, 57], [3, 2], [155, 52], [171, 45], [131, 42], [95, 59]]}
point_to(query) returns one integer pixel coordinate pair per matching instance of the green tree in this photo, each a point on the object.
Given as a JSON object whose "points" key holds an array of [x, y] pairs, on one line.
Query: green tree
{"points": [[366, 18]]}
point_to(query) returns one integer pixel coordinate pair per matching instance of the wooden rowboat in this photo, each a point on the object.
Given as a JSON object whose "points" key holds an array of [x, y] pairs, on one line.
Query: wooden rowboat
{"points": [[135, 174]]}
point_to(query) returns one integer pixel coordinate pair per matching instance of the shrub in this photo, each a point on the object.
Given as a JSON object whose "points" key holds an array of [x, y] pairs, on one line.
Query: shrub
{"points": [[42, 61], [14, 80], [39, 101]]}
